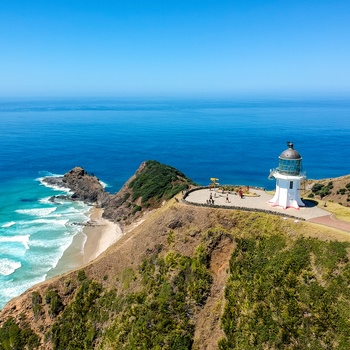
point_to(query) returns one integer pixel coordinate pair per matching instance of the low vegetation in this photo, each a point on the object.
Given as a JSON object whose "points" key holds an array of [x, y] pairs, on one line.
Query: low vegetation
{"points": [[284, 294], [157, 182], [156, 316], [17, 336], [336, 190], [155, 290]]}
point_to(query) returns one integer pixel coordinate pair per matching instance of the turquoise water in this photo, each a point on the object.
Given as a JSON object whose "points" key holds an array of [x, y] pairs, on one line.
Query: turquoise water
{"points": [[34, 233], [237, 141]]}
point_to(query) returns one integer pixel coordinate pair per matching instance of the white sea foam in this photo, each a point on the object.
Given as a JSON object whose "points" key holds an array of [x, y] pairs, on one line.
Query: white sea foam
{"points": [[47, 230], [37, 211], [8, 224], [104, 185], [56, 216], [45, 200], [54, 187], [20, 239], [50, 222], [71, 210], [9, 289], [8, 266]]}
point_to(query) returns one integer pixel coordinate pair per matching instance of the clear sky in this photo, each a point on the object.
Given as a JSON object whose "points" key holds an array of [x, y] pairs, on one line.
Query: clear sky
{"points": [[174, 47]]}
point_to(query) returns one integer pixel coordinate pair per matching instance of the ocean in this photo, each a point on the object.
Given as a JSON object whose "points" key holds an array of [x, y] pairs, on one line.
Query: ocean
{"points": [[237, 141]]}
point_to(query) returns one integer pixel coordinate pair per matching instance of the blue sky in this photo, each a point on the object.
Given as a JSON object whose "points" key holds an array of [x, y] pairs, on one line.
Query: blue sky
{"points": [[174, 48]]}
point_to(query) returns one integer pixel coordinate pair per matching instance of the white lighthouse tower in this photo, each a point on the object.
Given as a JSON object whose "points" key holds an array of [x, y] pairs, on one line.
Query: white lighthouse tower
{"points": [[288, 176]]}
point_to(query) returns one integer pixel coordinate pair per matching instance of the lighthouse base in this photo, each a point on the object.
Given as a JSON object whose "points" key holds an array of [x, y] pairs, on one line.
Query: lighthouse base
{"points": [[287, 192]]}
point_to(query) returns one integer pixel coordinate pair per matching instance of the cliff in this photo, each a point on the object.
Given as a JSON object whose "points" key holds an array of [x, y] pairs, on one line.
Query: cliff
{"points": [[151, 184], [194, 278]]}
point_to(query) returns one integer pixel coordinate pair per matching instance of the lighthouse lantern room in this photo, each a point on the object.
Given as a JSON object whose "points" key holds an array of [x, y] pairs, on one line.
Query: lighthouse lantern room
{"points": [[288, 176]]}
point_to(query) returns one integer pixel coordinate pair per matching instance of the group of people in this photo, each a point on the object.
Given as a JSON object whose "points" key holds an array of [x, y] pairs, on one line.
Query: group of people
{"points": [[210, 201]]}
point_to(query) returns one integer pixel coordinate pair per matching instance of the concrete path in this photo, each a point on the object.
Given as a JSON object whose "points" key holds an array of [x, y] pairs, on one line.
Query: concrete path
{"points": [[331, 221], [261, 203]]}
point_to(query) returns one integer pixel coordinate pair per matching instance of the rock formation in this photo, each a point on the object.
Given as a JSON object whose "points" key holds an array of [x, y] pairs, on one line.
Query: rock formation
{"points": [[129, 203], [86, 187]]}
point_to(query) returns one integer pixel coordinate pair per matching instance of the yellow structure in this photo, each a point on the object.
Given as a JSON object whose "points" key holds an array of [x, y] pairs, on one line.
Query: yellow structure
{"points": [[213, 182]]}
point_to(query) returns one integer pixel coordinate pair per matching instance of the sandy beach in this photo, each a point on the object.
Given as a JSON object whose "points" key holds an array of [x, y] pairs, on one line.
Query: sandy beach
{"points": [[100, 235], [95, 238]]}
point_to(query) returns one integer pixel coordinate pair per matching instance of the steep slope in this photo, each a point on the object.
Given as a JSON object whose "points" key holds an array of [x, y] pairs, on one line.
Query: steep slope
{"points": [[194, 278], [151, 184], [336, 190], [165, 283]]}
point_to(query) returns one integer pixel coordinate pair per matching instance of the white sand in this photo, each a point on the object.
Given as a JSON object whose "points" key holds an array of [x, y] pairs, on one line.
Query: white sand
{"points": [[95, 238], [100, 235]]}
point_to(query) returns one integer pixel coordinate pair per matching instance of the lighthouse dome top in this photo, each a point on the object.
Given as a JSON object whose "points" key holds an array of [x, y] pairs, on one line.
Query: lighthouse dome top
{"points": [[290, 153]]}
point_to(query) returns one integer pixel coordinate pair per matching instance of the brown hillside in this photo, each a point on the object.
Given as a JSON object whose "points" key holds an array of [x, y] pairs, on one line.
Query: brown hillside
{"points": [[339, 193], [174, 227]]}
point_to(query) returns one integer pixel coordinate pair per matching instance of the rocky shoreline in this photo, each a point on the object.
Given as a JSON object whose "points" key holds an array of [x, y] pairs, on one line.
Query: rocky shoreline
{"points": [[87, 188]]}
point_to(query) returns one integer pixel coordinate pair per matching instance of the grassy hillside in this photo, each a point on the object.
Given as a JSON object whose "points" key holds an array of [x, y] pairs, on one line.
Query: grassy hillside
{"points": [[287, 294], [162, 287], [152, 184], [335, 190], [158, 181]]}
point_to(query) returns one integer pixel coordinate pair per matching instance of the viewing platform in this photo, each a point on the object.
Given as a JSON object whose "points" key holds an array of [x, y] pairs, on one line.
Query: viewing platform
{"points": [[255, 200]]}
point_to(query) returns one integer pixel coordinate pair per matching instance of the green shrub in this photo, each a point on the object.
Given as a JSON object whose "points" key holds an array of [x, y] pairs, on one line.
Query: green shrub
{"points": [[81, 276], [54, 301], [325, 191], [170, 237], [13, 336], [158, 181], [316, 188], [158, 315], [76, 327], [126, 197], [342, 191], [128, 276], [275, 300], [36, 303], [135, 209], [322, 190]]}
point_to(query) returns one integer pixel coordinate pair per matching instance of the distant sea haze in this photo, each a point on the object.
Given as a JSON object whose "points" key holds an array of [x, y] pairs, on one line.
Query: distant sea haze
{"points": [[237, 141]]}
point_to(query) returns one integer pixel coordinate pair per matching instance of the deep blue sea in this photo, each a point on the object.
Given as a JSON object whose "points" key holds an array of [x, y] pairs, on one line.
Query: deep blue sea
{"points": [[237, 141]]}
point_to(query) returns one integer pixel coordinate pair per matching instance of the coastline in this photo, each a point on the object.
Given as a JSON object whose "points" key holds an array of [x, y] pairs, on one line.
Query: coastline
{"points": [[87, 245], [101, 234]]}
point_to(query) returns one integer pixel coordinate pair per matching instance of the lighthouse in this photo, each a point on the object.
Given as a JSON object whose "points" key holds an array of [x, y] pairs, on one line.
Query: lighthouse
{"points": [[288, 176]]}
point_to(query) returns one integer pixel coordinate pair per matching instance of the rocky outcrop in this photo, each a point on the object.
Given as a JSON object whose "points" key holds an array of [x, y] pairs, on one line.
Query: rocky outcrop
{"points": [[147, 189], [85, 187]]}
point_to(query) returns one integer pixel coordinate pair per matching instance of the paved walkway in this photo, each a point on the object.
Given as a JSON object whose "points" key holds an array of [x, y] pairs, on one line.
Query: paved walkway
{"points": [[331, 221], [261, 202]]}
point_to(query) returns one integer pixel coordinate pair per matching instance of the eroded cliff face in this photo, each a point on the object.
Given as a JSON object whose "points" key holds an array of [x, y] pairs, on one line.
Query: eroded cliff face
{"points": [[119, 207]]}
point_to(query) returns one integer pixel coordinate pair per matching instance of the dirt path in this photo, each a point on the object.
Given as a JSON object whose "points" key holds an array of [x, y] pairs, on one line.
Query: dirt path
{"points": [[331, 221]]}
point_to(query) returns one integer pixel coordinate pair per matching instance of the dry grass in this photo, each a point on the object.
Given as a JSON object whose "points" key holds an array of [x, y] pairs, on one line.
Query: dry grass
{"points": [[340, 212], [335, 196]]}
